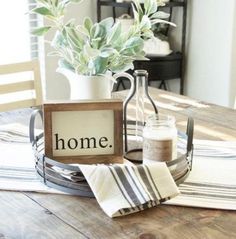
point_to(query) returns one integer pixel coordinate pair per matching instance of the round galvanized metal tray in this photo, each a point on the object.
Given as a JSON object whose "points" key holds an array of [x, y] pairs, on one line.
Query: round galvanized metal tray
{"points": [[69, 178]]}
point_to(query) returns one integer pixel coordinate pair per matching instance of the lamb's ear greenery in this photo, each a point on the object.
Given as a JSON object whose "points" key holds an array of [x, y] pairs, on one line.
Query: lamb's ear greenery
{"points": [[40, 31], [160, 14], [43, 11], [94, 48]]}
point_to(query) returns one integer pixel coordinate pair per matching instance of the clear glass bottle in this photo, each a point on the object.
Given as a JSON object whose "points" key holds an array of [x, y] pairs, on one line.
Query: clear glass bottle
{"points": [[159, 139], [141, 82], [139, 93]]}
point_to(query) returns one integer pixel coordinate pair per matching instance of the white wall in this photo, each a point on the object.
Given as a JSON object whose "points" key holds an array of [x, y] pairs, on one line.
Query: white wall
{"points": [[11, 50], [232, 94], [211, 49], [57, 86]]}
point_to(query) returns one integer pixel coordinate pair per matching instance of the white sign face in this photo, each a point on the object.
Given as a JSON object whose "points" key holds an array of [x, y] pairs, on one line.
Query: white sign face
{"points": [[83, 132]]}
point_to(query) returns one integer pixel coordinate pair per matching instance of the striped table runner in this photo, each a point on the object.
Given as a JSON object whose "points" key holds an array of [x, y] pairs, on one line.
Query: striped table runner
{"points": [[123, 189], [14, 132], [211, 184], [17, 169]]}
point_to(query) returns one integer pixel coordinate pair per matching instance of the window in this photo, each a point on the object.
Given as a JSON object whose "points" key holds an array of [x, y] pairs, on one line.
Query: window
{"points": [[16, 43]]}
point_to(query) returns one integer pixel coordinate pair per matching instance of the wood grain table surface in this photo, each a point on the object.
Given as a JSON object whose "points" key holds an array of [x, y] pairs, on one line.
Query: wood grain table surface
{"points": [[37, 215]]}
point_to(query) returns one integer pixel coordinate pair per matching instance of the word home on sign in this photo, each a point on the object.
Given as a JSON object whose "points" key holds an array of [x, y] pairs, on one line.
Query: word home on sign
{"points": [[82, 143], [83, 132]]}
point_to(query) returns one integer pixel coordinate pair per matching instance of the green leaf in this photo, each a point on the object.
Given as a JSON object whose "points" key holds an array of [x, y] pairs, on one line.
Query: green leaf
{"points": [[91, 67], [137, 10], [88, 23], [76, 1], [133, 42], [58, 41], [115, 33], [101, 65], [122, 67], [160, 3], [53, 53], [95, 43], [42, 1], [107, 23], [40, 31], [62, 63], [43, 11], [138, 7], [136, 15], [75, 39], [90, 52], [160, 14], [147, 6], [155, 21], [97, 31], [83, 58], [61, 6], [107, 52], [83, 31], [147, 33], [153, 7], [141, 56], [65, 2], [133, 47], [70, 23], [54, 2], [145, 23]]}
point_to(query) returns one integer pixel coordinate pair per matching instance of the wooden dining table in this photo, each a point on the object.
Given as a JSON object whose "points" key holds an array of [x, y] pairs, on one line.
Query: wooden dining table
{"points": [[43, 215]]}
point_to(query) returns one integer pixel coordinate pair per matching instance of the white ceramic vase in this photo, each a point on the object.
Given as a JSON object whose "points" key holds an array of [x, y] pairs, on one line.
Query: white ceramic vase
{"points": [[88, 87]]}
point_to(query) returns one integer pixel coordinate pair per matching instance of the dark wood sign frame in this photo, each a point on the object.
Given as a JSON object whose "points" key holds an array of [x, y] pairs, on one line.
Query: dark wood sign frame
{"points": [[115, 105]]}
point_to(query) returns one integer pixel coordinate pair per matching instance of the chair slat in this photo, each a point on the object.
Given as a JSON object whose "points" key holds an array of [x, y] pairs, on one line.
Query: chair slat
{"points": [[16, 67], [16, 87], [17, 105], [20, 86]]}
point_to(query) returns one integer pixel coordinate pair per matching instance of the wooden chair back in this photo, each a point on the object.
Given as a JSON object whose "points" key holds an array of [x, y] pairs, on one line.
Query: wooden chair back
{"points": [[18, 93]]}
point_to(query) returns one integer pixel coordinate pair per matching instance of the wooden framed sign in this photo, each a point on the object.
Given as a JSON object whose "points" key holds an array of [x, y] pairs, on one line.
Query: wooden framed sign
{"points": [[84, 132]]}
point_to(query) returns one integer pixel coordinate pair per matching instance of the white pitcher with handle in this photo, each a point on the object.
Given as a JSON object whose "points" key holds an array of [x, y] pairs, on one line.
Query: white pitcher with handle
{"points": [[92, 87]]}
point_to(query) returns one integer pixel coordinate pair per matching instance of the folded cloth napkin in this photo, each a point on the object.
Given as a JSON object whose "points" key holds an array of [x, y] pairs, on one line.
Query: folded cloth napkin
{"points": [[122, 189]]}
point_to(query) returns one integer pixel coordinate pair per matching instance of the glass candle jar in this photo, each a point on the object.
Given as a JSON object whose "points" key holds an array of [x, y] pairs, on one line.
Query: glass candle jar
{"points": [[159, 139]]}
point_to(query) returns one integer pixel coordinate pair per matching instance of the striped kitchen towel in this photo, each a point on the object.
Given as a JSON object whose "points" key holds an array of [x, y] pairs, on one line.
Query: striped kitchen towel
{"points": [[124, 189]]}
